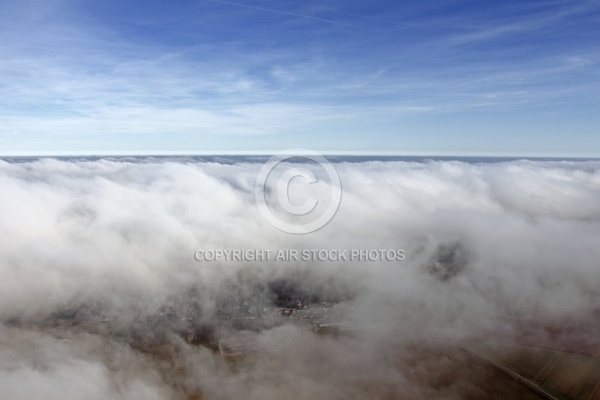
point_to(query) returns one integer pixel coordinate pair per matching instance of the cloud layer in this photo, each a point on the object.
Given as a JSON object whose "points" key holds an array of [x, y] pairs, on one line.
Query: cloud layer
{"points": [[486, 245]]}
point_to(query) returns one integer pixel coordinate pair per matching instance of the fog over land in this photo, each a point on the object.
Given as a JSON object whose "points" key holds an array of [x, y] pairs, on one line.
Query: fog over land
{"points": [[505, 252]]}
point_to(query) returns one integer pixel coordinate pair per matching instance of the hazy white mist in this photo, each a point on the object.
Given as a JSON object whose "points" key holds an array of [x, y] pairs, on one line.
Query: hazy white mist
{"points": [[485, 244]]}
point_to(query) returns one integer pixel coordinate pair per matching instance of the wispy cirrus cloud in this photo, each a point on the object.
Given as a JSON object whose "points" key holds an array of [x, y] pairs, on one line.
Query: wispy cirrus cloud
{"points": [[235, 69]]}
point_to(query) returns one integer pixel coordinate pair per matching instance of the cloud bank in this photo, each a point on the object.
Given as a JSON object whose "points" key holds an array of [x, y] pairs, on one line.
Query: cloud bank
{"points": [[500, 252]]}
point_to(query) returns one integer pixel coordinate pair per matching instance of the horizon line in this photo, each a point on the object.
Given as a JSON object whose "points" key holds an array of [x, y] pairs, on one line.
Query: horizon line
{"points": [[272, 153]]}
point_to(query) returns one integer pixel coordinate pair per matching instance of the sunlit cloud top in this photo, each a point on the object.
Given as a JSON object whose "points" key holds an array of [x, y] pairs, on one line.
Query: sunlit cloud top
{"points": [[211, 76]]}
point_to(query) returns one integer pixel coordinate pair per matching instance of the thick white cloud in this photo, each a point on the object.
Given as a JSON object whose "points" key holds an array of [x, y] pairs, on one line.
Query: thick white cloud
{"points": [[484, 244]]}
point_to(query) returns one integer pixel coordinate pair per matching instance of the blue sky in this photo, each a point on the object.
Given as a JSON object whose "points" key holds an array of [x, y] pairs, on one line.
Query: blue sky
{"points": [[380, 77]]}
